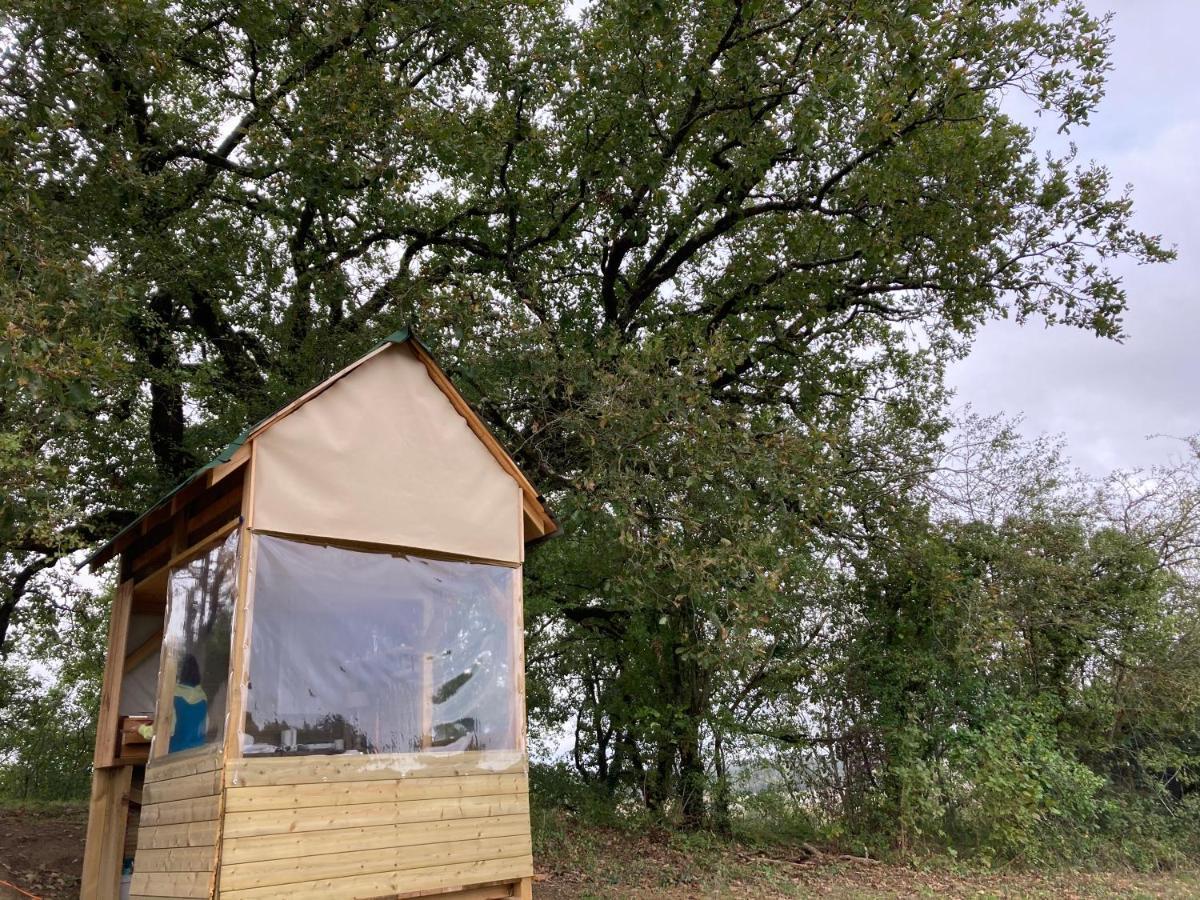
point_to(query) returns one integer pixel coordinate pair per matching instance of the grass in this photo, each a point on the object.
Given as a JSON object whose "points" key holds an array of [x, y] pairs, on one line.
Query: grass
{"points": [[575, 859]]}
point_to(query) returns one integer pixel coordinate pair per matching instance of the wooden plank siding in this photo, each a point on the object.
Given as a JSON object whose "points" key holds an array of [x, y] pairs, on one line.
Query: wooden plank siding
{"points": [[179, 831], [371, 826]]}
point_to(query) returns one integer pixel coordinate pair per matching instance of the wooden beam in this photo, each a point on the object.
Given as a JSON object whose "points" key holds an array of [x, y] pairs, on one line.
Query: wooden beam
{"points": [[532, 526], [188, 552], [392, 549], [240, 457], [153, 517], [104, 845], [114, 672], [239, 666], [179, 530]]}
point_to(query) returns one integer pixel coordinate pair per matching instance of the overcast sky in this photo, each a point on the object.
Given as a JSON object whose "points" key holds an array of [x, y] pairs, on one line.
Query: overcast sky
{"points": [[1106, 398]]}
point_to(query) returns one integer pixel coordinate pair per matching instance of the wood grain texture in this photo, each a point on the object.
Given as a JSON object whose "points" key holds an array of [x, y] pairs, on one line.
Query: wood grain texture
{"points": [[385, 884], [324, 818], [239, 668], [269, 771], [265, 847], [188, 834], [496, 891], [177, 859], [183, 765], [298, 796], [179, 812], [114, 672], [179, 836], [188, 787], [105, 841], [347, 862], [345, 827], [171, 884]]}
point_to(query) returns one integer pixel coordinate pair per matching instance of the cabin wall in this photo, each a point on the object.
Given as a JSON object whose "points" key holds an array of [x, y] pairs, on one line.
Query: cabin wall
{"points": [[179, 828], [366, 826]]}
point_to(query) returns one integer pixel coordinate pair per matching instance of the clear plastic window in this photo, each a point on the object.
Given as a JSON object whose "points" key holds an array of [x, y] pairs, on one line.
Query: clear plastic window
{"points": [[357, 652], [197, 635]]}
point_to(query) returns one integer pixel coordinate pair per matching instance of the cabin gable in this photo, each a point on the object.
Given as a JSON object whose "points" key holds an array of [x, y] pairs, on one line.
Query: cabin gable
{"points": [[382, 457]]}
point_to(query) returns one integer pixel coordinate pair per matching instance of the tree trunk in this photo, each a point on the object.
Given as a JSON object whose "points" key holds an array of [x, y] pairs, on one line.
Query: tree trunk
{"points": [[722, 821]]}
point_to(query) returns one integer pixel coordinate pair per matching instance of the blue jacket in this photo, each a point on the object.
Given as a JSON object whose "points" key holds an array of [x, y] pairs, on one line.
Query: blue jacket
{"points": [[191, 718]]}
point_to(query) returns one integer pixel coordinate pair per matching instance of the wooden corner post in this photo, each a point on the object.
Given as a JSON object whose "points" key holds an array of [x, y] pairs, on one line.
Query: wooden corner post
{"points": [[109, 803]]}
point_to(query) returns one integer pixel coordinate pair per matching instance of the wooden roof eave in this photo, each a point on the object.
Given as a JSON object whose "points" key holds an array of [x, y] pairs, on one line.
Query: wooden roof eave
{"points": [[167, 507]]}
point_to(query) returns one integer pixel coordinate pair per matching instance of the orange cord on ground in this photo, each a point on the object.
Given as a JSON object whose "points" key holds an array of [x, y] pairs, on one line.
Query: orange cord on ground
{"points": [[9, 884]]}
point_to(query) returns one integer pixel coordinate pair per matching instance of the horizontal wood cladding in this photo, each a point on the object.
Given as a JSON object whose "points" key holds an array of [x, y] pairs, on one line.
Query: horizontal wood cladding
{"points": [[325, 818], [180, 812], [344, 863], [188, 787], [370, 826], [487, 892], [259, 848], [188, 834], [348, 793], [179, 830], [176, 859], [170, 884], [256, 772], [387, 884], [179, 766]]}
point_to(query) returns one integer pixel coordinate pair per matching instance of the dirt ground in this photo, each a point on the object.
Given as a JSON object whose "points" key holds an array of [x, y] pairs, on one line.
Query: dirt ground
{"points": [[41, 853]]}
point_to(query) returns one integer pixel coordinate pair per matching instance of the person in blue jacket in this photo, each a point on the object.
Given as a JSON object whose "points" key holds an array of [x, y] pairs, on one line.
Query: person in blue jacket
{"points": [[191, 707]]}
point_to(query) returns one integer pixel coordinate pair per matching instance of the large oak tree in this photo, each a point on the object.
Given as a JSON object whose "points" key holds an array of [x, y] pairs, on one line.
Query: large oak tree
{"points": [[699, 264]]}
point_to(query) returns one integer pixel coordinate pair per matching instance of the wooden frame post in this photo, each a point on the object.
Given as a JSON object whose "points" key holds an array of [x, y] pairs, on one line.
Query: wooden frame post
{"points": [[239, 673], [104, 849], [114, 673], [109, 803]]}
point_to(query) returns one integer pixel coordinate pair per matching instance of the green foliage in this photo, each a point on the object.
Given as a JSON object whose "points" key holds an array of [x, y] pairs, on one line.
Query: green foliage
{"points": [[1016, 793], [46, 742], [49, 696]]}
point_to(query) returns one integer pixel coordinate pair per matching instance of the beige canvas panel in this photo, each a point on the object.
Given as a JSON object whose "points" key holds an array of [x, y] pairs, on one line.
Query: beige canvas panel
{"points": [[382, 457]]}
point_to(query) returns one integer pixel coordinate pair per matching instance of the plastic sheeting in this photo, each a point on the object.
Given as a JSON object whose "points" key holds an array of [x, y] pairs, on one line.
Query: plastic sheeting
{"points": [[355, 652], [197, 637], [382, 457]]}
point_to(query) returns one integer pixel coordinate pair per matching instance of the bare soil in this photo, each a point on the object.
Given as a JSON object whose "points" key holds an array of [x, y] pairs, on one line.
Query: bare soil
{"points": [[41, 851], [41, 854]]}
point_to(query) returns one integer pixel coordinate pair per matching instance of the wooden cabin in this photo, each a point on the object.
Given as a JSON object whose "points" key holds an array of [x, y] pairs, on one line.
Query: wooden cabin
{"points": [[315, 675]]}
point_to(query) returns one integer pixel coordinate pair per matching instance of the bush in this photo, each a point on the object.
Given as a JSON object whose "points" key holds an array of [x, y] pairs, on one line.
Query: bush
{"points": [[1018, 797]]}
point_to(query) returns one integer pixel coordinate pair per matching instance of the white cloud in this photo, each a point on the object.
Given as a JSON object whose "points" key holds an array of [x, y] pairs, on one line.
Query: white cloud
{"points": [[1106, 397]]}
